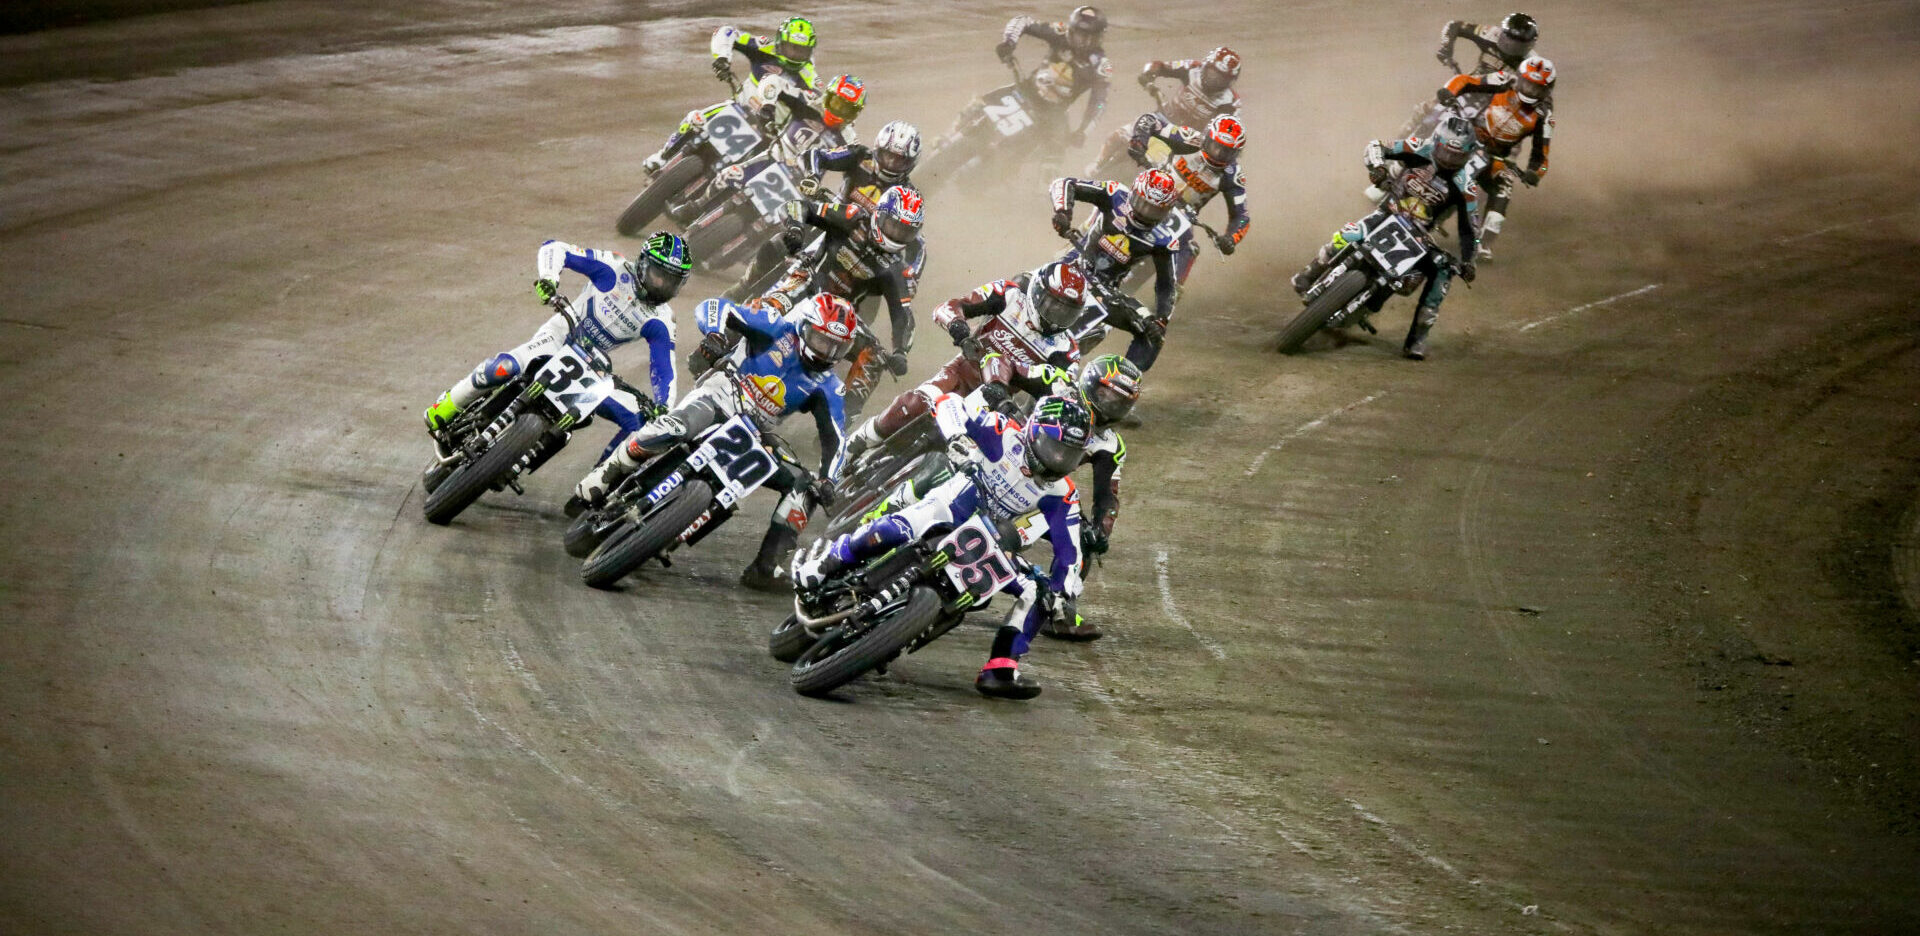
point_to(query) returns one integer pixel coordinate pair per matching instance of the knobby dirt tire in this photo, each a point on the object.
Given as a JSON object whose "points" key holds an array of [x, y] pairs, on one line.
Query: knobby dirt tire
{"points": [[1319, 310], [628, 547], [817, 673], [789, 640], [652, 200], [469, 481]]}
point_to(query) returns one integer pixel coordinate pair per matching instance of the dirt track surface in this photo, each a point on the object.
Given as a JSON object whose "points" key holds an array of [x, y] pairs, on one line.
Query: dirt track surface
{"points": [[1591, 624]]}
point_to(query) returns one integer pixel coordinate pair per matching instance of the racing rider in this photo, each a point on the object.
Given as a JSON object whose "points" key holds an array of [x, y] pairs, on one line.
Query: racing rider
{"points": [[1007, 469], [1206, 92], [1027, 318], [623, 301], [1125, 230], [1500, 46], [1216, 171], [1520, 107], [1109, 385], [1440, 174], [780, 365], [1076, 63]]}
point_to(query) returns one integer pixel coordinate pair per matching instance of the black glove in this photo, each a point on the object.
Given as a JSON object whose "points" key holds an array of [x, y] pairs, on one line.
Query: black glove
{"points": [[1377, 174], [823, 492], [1530, 177], [1062, 222], [713, 347], [897, 363], [723, 69], [1093, 539], [994, 394], [1154, 329], [1445, 97], [1225, 243], [1466, 271], [1145, 79], [793, 237], [1005, 51], [971, 350], [958, 330]]}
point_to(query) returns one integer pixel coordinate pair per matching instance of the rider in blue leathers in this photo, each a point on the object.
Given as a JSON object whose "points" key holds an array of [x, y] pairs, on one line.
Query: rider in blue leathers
{"points": [[624, 301], [780, 365], [1005, 469]]}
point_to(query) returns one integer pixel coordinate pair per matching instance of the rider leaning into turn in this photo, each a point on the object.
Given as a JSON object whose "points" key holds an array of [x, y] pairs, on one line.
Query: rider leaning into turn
{"points": [[787, 55], [623, 301], [1502, 45], [1076, 62], [1025, 329], [1125, 230], [1005, 469], [1206, 92], [1216, 171], [1109, 385], [863, 253], [1519, 107], [1441, 170], [781, 365]]}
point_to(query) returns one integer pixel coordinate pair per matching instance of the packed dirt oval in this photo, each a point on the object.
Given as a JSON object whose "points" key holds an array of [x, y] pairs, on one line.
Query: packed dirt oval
{"points": [[1600, 620]]}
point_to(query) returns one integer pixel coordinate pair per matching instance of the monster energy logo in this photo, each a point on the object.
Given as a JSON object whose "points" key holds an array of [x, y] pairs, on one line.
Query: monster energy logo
{"points": [[1051, 408]]}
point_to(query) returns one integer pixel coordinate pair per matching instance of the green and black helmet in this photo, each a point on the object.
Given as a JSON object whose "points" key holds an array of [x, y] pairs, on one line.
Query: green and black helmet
{"points": [[663, 267], [794, 43], [1111, 385]]}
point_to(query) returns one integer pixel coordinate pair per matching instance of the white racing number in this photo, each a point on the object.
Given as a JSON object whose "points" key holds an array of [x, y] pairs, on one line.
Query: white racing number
{"points": [[1394, 248], [1009, 116], [978, 567], [735, 454], [731, 134], [572, 386], [771, 189]]}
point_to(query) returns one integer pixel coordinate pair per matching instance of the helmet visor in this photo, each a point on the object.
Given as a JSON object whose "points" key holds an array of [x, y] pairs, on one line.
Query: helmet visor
{"points": [[1110, 402], [1529, 90], [1214, 80], [1056, 313], [1052, 458], [793, 51], [1512, 47], [822, 346], [659, 282], [842, 108], [892, 165], [1145, 213], [1216, 152], [1449, 155], [895, 232]]}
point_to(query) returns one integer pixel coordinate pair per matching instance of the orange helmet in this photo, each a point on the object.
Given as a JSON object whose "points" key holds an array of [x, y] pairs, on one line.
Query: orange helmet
{"points": [[1533, 79], [1225, 136], [843, 99]]}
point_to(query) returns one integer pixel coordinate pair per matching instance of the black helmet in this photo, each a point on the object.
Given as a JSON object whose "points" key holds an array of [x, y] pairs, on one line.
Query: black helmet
{"points": [[1110, 384], [1056, 434], [1518, 33], [1085, 26]]}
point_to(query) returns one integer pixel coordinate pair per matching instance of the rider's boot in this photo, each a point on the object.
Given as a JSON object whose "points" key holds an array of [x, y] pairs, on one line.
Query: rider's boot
{"points": [[1416, 347], [764, 574], [1074, 627], [1001, 677], [593, 488], [1488, 233], [863, 438], [820, 562], [1304, 280], [441, 412]]}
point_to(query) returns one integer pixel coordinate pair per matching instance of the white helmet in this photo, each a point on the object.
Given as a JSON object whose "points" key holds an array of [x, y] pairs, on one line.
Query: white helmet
{"points": [[895, 150]]}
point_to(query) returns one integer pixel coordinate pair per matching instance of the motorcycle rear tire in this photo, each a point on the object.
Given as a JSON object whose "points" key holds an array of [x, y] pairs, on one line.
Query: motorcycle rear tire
{"points": [[705, 242], [629, 547], [830, 664], [1322, 308], [465, 485], [653, 199]]}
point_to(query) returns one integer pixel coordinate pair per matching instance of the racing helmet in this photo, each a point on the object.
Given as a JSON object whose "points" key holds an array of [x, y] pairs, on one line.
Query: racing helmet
{"points": [[1516, 37], [663, 267], [793, 44], [1221, 67], [1224, 138], [826, 325], [1058, 294], [842, 100], [1085, 26], [896, 149], [1153, 195], [1533, 79], [1056, 435], [1453, 141], [1110, 384], [896, 218]]}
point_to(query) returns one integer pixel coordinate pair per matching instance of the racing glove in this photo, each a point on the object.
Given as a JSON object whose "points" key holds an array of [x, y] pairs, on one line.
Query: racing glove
{"points": [[723, 70], [1445, 97], [960, 450], [958, 330], [1145, 79], [823, 492], [1530, 177], [1005, 51], [1093, 539], [1466, 271], [994, 394], [713, 347], [1377, 174], [546, 290], [1062, 222], [897, 363], [793, 237], [1225, 243]]}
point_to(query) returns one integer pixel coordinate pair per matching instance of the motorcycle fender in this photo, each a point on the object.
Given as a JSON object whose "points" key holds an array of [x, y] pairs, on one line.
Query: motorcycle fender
{"points": [[708, 521]]}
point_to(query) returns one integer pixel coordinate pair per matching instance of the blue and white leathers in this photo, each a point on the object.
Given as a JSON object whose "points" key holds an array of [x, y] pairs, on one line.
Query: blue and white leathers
{"points": [[994, 481], [612, 313]]}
